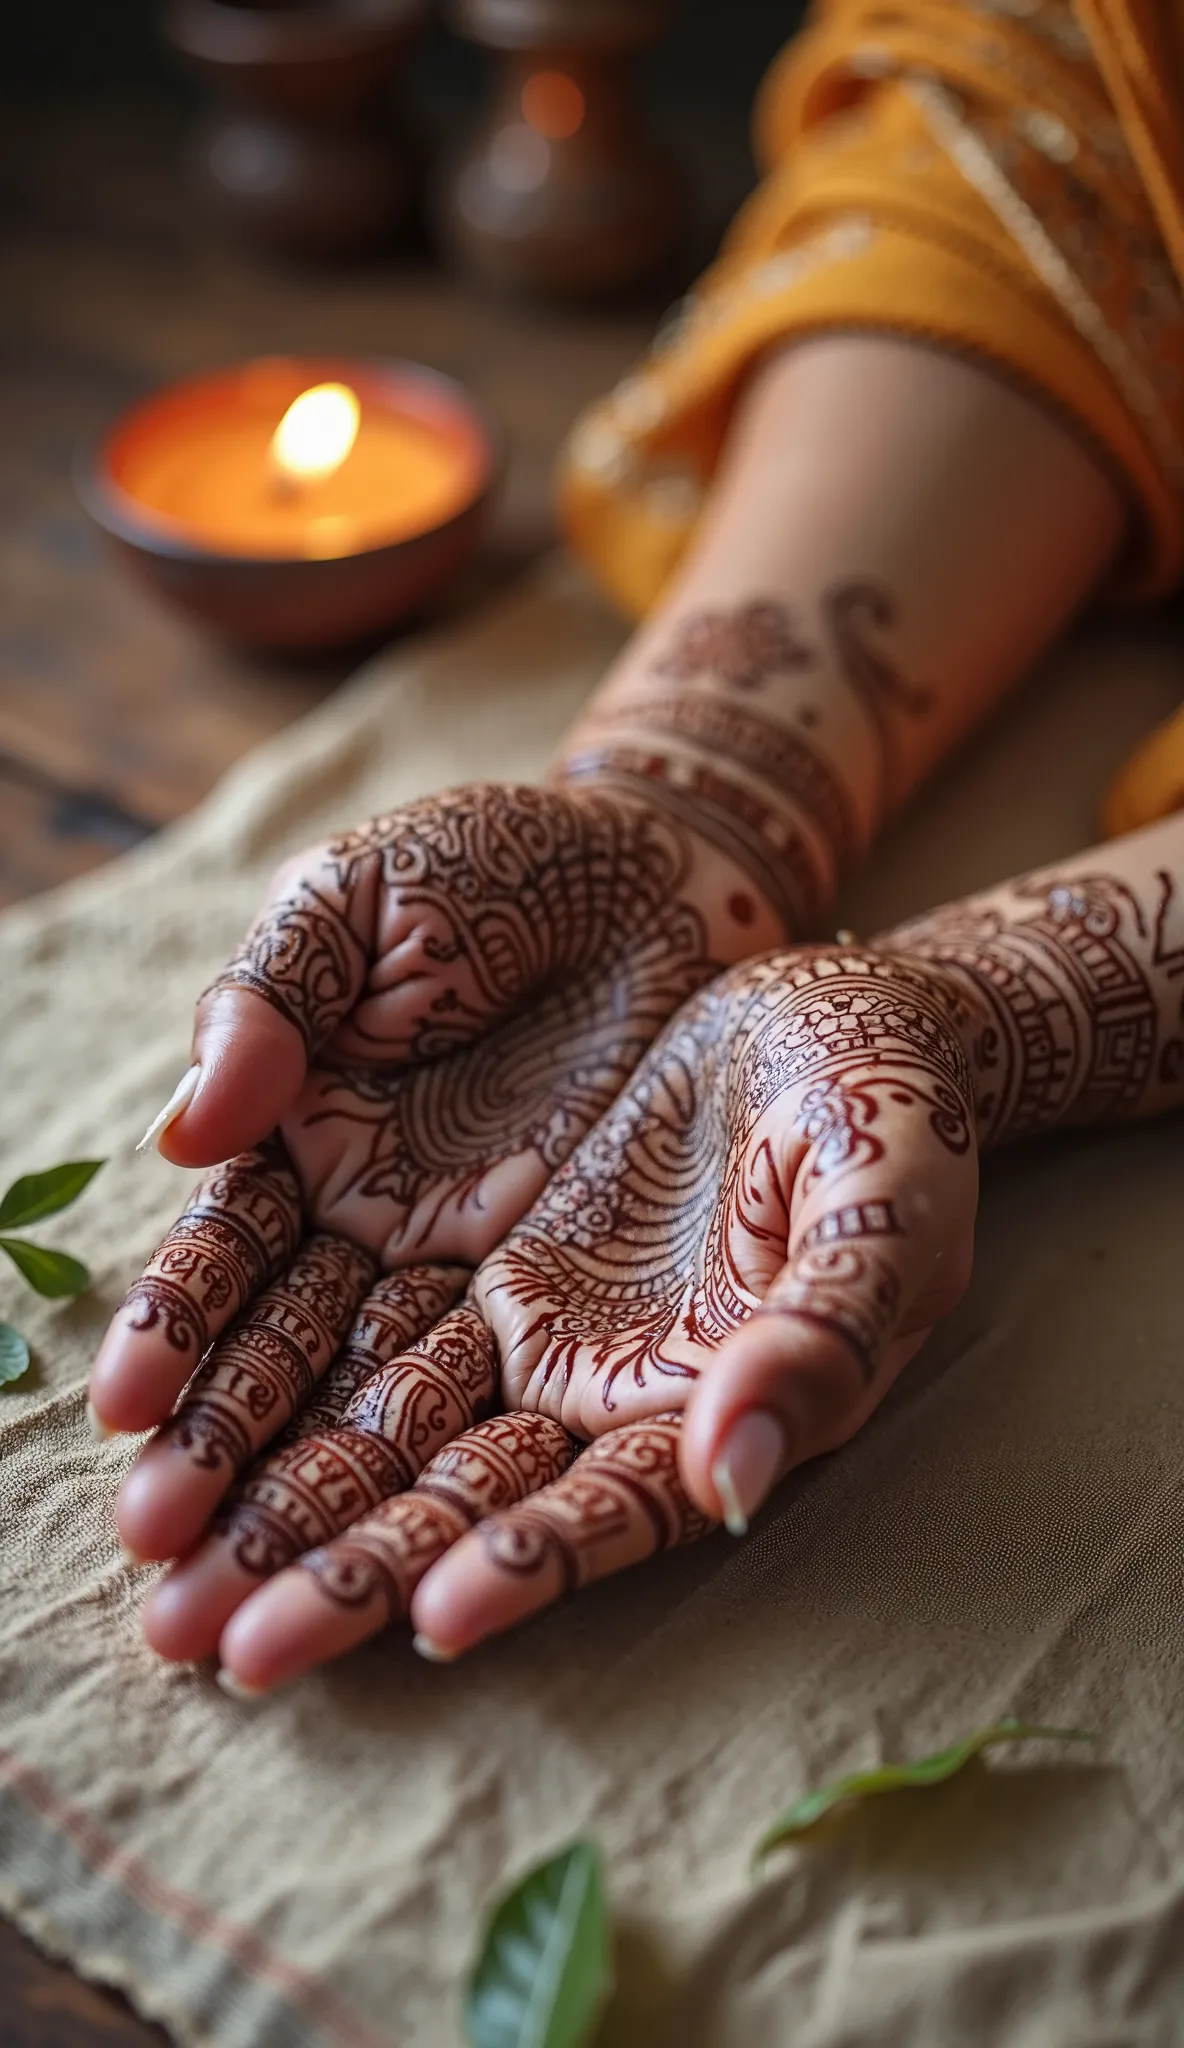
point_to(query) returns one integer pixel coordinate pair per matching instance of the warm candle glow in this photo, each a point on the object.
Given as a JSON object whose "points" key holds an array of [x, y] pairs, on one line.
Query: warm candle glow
{"points": [[552, 104], [316, 433]]}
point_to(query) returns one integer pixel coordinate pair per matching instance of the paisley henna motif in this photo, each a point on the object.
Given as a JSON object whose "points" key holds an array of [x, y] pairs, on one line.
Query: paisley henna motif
{"points": [[627, 1265]]}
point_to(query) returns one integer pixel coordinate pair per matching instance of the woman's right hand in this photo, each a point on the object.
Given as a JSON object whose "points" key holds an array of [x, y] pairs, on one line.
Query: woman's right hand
{"points": [[426, 1018]]}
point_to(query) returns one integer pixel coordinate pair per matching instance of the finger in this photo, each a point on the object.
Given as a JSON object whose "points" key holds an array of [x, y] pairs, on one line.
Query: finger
{"points": [[621, 1501], [863, 1284], [240, 1229], [252, 1381], [363, 1581], [413, 1400], [299, 971]]}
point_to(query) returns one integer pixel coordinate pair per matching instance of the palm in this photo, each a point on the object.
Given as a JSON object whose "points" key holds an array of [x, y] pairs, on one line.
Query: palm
{"points": [[473, 978], [796, 1148]]}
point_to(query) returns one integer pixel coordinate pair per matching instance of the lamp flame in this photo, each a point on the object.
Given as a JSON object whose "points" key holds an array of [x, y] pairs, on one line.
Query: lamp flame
{"points": [[316, 433]]}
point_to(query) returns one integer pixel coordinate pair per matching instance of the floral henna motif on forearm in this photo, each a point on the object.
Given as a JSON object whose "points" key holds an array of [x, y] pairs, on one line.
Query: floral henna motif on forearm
{"points": [[740, 648], [484, 1471], [406, 1408], [239, 1230], [622, 1501], [1065, 1006], [269, 1360]]}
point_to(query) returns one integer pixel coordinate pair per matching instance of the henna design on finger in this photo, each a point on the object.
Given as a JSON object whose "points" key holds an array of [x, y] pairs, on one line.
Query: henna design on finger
{"points": [[482, 1472], [315, 1486], [857, 1219], [238, 1232], [847, 1289], [621, 1501], [268, 1361], [400, 1308]]}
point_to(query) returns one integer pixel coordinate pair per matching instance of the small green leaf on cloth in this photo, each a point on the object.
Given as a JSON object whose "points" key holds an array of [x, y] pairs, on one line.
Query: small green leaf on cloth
{"points": [[52, 1274], [44, 1194], [545, 1966], [14, 1355], [811, 1807]]}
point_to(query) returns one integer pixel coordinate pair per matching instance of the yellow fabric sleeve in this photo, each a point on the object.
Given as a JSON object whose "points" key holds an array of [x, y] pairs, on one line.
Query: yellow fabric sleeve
{"points": [[1002, 179]]}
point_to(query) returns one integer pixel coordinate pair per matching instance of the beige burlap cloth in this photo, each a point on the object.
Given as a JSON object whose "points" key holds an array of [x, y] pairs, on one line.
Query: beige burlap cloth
{"points": [[1007, 1536]]}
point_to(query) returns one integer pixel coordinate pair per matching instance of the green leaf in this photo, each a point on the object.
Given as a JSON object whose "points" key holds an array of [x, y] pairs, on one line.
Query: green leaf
{"points": [[50, 1273], [806, 1812], [14, 1354], [545, 1967], [43, 1194]]}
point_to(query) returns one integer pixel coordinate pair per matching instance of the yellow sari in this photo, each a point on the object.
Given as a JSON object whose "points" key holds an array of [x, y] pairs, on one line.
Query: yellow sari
{"points": [[1000, 178]]}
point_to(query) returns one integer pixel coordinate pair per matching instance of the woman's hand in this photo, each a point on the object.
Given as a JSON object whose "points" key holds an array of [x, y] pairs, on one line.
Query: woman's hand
{"points": [[722, 1281], [433, 1010]]}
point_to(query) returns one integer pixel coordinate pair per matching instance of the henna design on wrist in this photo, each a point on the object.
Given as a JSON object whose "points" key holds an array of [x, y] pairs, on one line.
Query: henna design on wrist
{"points": [[758, 833], [1062, 1015], [481, 1473], [237, 1233], [268, 1361], [621, 1501], [626, 1264], [404, 1410]]}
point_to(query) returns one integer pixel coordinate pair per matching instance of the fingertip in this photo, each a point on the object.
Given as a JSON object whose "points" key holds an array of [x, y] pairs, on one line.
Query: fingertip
{"points": [[251, 1063]]}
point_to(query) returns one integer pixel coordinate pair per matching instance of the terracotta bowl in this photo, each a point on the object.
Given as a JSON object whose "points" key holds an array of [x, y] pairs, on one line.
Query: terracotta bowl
{"points": [[294, 603]]}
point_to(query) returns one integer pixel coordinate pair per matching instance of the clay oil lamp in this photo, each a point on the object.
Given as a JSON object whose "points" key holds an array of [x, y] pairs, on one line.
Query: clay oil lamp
{"points": [[294, 502]]}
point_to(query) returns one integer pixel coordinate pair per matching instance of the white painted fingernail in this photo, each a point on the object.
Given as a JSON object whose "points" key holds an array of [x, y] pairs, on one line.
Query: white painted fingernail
{"points": [[180, 1099], [433, 1651], [237, 1688], [746, 1467], [98, 1428]]}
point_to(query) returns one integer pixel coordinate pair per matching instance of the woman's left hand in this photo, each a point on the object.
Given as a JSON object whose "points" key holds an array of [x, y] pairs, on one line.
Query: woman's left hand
{"points": [[721, 1283]]}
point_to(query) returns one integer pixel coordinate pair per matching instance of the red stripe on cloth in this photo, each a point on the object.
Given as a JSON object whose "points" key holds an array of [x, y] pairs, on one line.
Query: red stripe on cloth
{"points": [[121, 1868]]}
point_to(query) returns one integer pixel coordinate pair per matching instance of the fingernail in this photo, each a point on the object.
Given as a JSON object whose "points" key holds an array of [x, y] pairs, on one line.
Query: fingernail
{"points": [[746, 1467], [98, 1428], [433, 1651], [180, 1099], [236, 1687], [130, 1559]]}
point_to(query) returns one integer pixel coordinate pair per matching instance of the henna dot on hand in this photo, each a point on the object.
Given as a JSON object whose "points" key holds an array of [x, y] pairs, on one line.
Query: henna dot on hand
{"points": [[741, 907]]}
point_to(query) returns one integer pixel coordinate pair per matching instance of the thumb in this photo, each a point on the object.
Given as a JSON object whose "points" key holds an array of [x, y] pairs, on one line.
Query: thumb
{"points": [[247, 1069], [299, 971], [845, 1314]]}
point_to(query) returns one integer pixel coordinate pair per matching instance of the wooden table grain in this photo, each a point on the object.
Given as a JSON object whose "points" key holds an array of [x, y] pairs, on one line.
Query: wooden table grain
{"points": [[116, 716]]}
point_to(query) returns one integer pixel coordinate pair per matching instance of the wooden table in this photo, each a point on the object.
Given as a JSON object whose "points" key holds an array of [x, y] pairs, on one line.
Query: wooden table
{"points": [[116, 717]]}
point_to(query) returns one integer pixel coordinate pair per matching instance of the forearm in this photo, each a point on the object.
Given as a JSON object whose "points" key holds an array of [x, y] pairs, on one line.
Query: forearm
{"points": [[1071, 986], [893, 536]]}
